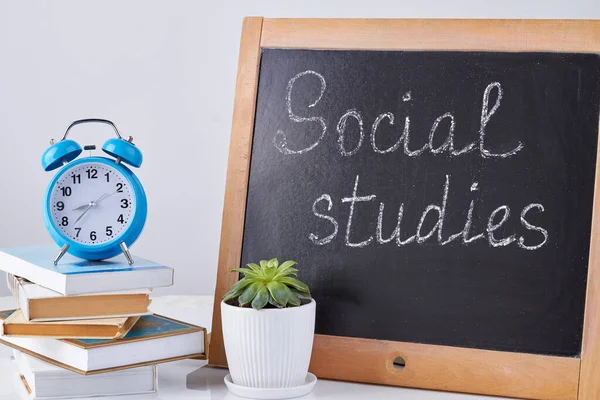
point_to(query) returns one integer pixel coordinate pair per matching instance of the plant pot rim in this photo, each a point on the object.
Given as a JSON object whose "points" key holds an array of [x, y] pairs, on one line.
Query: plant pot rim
{"points": [[265, 310]]}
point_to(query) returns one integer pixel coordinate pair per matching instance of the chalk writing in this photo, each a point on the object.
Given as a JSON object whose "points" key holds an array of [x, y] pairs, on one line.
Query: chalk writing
{"points": [[353, 200], [495, 221], [352, 123], [532, 227], [280, 139], [486, 114], [341, 130], [314, 238]]}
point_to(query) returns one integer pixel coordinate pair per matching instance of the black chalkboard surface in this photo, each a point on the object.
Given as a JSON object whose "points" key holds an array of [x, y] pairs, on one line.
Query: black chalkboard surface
{"points": [[430, 197]]}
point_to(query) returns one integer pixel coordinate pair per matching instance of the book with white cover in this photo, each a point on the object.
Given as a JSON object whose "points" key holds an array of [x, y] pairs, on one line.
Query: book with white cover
{"points": [[74, 276], [40, 304], [154, 339], [43, 380]]}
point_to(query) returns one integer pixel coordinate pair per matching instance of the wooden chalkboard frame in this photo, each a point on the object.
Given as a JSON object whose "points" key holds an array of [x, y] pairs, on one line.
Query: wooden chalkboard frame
{"points": [[427, 366]]}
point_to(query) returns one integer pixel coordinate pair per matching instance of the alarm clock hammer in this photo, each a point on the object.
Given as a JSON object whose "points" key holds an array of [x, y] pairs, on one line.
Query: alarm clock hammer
{"points": [[95, 207]]}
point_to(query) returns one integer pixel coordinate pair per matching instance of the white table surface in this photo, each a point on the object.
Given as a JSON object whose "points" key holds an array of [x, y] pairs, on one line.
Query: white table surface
{"points": [[193, 380]]}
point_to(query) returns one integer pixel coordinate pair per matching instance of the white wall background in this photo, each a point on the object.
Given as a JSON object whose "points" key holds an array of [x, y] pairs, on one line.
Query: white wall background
{"points": [[164, 72]]}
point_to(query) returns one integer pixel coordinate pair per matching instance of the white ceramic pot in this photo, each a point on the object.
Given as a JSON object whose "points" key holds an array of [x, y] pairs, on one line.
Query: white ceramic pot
{"points": [[270, 348]]}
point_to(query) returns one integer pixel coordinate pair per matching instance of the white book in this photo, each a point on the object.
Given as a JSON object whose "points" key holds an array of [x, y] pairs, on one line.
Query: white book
{"points": [[154, 339], [40, 304], [42, 380], [74, 276]]}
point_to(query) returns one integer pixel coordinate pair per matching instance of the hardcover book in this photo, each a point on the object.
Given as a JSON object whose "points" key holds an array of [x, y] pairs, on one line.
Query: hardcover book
{"points": [[40, 304], [43, 380], [105, 328], [74, 276], [154, 339]]}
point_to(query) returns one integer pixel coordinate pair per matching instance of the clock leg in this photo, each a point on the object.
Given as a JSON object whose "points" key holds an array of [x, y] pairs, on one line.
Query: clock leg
{"points": [[61, 253], [125, 251]]}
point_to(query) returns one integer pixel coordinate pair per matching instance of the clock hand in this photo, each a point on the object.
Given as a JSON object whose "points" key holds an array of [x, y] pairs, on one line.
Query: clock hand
{"points": [[105, 196], [83, 213], [89, 206], [81, 207], [93, 203]]}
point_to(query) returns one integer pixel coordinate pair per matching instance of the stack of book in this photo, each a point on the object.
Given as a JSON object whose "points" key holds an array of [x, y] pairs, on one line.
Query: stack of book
{"points": [[81, 324]]}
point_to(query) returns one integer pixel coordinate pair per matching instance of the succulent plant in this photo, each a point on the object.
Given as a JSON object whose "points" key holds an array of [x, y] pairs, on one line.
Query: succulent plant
{"points": [[268, 283]]}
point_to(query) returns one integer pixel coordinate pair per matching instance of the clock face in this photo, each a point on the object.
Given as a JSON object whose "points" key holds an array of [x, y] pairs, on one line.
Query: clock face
{"points": [[92, 203]]}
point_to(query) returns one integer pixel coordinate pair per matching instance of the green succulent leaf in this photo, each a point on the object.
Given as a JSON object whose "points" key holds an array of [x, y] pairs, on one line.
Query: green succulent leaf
{"points": [[247, 273], [249, 293], [287, 264], [271, 269], [274, 303], [256, 268], [294, 299], [279, 292], [264, 264], [295, 283], [302, 296], [270, 273], [286, 269], [289, 271], [237, 289], [261, 299]]}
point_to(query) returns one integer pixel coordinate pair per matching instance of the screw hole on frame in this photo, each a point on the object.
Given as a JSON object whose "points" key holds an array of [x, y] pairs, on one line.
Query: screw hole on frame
{"points": [[399, 363]]}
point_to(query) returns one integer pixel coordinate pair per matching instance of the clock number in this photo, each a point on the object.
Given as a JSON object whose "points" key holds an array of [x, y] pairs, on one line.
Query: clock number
{"points": [[93, 235], [120, 219], [76, 179], [60, 206], [124, 203], [120, 187], [78, 230], [107, 175], [66, 191], [109, 231], [92, 173], [65, 221]]}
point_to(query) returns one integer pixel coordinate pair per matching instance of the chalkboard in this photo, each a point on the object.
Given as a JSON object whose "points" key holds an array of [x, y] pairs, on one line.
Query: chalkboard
{"points": [[430, 197]]}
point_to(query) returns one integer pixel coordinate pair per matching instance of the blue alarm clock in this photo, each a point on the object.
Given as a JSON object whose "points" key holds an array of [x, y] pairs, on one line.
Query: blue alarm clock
{"points": [[94, 207]]}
